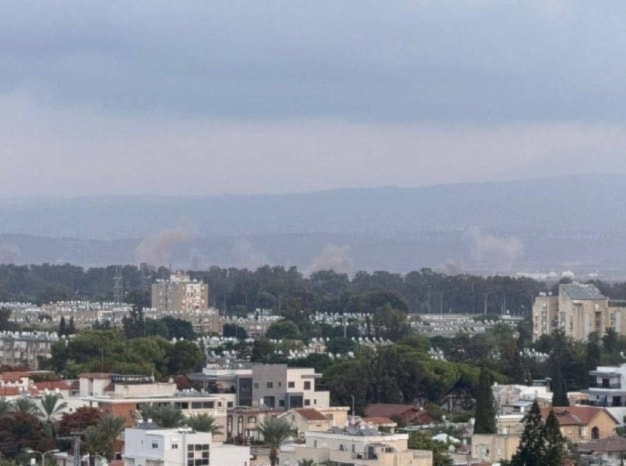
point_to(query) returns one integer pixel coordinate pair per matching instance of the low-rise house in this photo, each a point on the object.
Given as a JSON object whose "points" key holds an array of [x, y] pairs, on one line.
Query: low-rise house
{"points": [[355, 447], [242, 423], [606, 451], [306, 420], [123, 395], [148, 444], [501, 445], [402, 414], [583, 423]]}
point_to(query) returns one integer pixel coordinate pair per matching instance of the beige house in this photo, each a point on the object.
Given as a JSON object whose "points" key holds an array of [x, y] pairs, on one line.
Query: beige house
{"points": [[306, 420], [501, 445], [354, 447], [583, 423]]}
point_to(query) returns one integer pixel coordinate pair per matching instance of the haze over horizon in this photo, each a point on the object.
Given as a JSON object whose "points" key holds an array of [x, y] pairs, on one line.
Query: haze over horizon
{"points": [[229, 97]]}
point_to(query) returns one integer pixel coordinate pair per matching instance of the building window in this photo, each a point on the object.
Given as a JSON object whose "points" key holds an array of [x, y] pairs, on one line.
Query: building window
{"points": [[174, 446], [251, 419], [291, 385], [155, 445], [270, 385], [307, 402], [307, 385], [256, 385]]}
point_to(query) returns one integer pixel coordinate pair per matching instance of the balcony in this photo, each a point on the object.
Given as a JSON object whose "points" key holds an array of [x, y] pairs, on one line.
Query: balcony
{"points": [[612, 385]]}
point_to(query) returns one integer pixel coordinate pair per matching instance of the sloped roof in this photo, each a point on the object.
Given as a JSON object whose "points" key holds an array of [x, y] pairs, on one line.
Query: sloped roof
{"points": [[387, 409], [52, 385], [573, 415], [396, 410], [9, 391], [612, 444], [13, 376], [582, 291], [311, 414]]}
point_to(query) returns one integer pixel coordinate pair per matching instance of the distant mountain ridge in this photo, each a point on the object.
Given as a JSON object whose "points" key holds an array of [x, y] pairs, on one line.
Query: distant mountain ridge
{"points": [[578, 221]]}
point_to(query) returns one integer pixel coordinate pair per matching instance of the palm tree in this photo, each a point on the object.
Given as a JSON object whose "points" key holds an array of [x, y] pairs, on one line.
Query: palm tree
{"points": [[26, 405], [275, 431], [51, 406], [204, 423], [164, 416], [110, 428]]}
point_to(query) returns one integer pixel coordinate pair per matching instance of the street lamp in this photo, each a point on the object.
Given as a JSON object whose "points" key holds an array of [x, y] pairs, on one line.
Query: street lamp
{"points": [[30, 451]]}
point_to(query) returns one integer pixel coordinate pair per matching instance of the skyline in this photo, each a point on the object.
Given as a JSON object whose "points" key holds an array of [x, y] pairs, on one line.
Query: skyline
{"points": [[231, 98]]}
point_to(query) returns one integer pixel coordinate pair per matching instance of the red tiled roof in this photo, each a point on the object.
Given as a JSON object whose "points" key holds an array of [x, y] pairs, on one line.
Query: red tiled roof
{"points": [[396, 410], [13, 376], [52, 385], [9, 391], [311, 414], [573, 415]]}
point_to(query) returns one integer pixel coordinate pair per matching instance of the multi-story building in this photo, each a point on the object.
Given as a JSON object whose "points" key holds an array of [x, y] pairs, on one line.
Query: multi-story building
{"points": [[355, 447], [24, 349], [266, 386], [607, 386], [545, 315], [150, 445], [186, 299], [180, 293], [282, 387], [123, 395], [577, 311]]}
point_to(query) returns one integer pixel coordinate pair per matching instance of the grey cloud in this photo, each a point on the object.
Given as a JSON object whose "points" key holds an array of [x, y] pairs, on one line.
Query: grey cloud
{"points": [[402, 60]]}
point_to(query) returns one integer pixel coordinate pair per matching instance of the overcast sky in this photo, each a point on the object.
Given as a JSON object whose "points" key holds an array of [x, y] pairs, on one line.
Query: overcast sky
{"points": [[259, 96]]}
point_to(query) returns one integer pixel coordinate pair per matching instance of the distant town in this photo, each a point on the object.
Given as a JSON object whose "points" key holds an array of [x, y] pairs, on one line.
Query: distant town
{"points": [[326, 369]]}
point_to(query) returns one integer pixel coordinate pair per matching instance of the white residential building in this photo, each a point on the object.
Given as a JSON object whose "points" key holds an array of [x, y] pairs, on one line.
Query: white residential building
{"points": [[607, 386], [149, 445]]}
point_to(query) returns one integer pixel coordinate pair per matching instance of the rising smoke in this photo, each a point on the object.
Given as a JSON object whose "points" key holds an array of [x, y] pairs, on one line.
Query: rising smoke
{"points": [[494, 251], [157, 249], [334, 258]]}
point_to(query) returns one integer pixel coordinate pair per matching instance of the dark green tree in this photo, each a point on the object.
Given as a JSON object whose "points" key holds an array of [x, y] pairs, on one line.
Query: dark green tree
{"points": [[71, 327], [485, 405], [62, 326], [554, 440], [531, 449]]}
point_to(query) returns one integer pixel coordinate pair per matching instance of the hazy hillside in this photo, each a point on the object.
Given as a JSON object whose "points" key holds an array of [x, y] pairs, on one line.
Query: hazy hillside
{"points": [[540, 224]]}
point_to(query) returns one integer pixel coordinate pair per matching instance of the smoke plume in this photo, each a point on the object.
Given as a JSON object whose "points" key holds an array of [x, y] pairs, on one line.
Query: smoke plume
{"points": [[157, 249]]}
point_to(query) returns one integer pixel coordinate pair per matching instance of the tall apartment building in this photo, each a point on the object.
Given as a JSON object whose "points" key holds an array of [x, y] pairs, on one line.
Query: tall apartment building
{"points": [[578, 310], [180, 294]]}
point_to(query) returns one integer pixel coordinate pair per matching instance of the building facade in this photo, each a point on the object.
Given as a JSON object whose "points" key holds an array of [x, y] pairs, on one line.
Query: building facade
{"points": [[149, 445], [577, 311], [180, 294], [607, 386], [354, 447]]}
